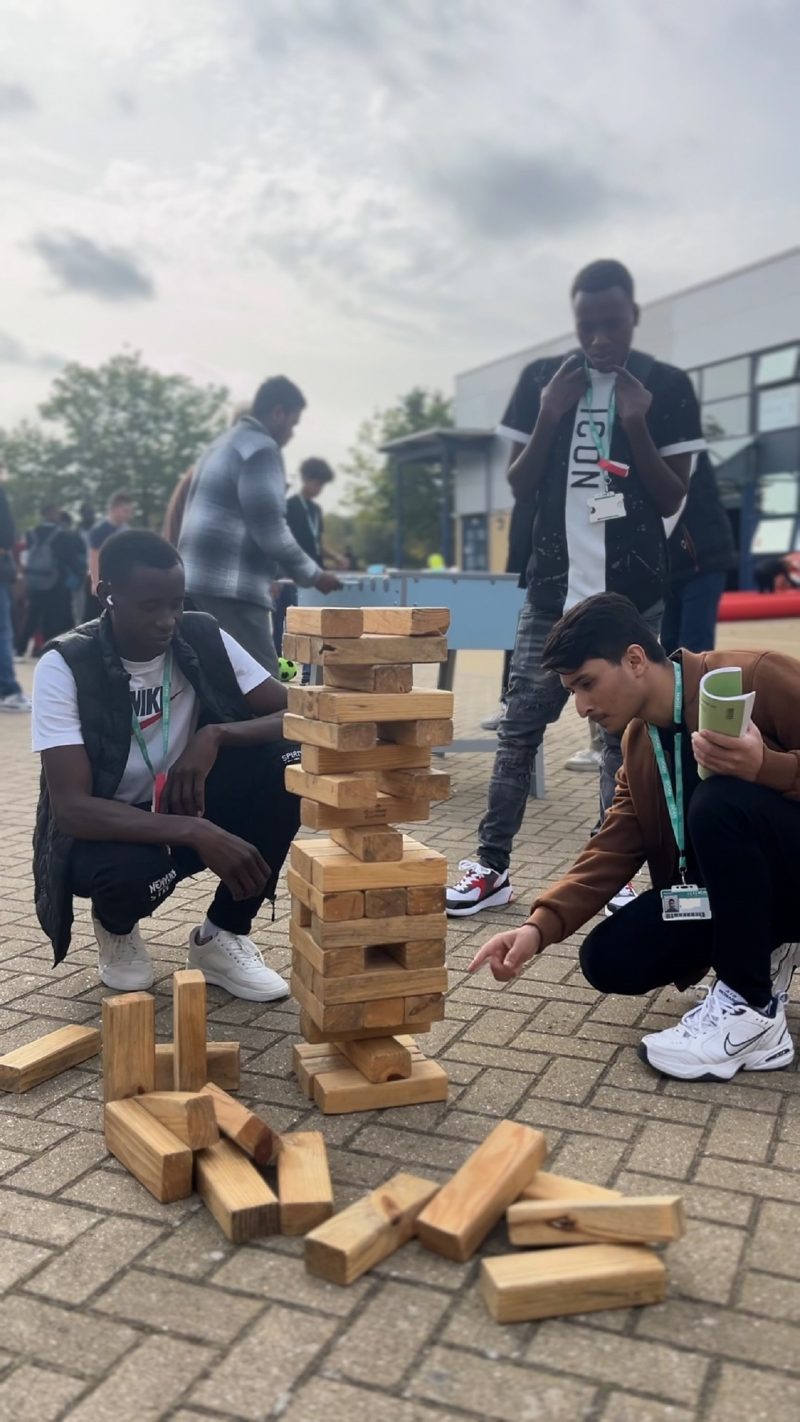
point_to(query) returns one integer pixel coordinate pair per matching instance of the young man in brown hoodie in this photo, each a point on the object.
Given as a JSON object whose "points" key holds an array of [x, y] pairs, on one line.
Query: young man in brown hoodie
{"points": [[722, 851]]}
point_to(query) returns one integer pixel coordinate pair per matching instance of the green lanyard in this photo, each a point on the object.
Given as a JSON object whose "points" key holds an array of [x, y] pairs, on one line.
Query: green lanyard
{"points": [[166, 688], [674, 799], [603, 451]]}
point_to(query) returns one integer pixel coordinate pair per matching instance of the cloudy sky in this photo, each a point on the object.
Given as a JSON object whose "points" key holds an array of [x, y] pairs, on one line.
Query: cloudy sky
{"points": [[369, 194]]}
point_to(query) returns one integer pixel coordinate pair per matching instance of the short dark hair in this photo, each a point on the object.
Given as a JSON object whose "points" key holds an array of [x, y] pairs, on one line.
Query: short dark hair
{"points": [[121, 553], [599, 276], [602, 626], [278, 390], [122, 496], [318, 469]]}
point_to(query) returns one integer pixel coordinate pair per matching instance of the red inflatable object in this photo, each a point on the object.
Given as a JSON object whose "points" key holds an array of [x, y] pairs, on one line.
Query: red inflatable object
{"points": [[753, 606]]}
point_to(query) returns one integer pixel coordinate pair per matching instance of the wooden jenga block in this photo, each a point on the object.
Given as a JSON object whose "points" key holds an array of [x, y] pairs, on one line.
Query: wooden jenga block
{"points": [[384, 756], [438, 732], [373, 649], [385, 903], [129, 1045], [654, 1219], [299, 914], [329, 1017], [325, 621], [329, 907], [387, 811], [332, 869], [406, 621], [189, 1029], [376, 931], [382, 977], [189, 1115], [370, 844], [298, 727], [431, 785], [222, 1059], [299, 648], [378, 1058], [337, 1092], [383, 1012], [546, 1186], [344, 792], [319, 703], [380, 678], [236, 1195], [310, 1060], [305, 1191], [423, 954], [329, 962], [425, 900], [48, 1056], [369, 1230], [474, 1199], [314, 1034], [423, 1007], [159, 1160], [550, 1283], [243, 1127]]}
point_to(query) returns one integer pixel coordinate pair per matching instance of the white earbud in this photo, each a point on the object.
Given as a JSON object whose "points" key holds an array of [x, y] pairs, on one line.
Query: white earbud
{"points": [[109, 602]]}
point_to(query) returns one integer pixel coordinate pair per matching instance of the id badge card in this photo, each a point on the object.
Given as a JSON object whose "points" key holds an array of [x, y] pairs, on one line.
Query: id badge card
{"points": [[159, 785], [684, 902], [605, 507]]}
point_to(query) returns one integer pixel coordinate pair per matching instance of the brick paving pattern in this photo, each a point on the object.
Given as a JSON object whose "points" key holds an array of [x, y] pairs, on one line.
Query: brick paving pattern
{"points": [[113, 1306]]}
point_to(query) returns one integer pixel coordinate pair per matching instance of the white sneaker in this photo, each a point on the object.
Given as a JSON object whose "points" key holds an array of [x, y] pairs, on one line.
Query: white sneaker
{"points": [[232, 961], [719, 1037], [625, 896], [478, 888], [783, 966], [491, 723], [587, 759], [123, 962], [17, 701]]}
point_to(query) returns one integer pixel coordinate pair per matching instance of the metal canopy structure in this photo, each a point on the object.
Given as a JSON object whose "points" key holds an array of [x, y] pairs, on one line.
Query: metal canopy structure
{"points": [[437, 446]]}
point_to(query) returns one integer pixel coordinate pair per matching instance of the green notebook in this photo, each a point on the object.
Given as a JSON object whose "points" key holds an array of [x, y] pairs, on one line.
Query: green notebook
{"points": [[724, 707]]}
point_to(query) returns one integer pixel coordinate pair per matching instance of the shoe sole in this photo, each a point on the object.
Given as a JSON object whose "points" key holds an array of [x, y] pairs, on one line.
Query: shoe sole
{"points": [[776, 1060], [495, 900], [117, 987], [216, 981]]}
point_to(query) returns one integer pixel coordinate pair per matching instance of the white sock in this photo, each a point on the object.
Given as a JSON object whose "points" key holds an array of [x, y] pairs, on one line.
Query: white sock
{"points": [[208, 931]]}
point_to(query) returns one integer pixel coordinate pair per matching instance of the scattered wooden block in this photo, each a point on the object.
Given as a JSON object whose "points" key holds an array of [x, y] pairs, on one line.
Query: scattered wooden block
{"points": [[554, 1282], [369, 844], [243, 1127], [406, 621], [380, 678], [237, 1196], [329, 907], [546, 1186], [305, 1191], [379, 1058], [159, 1160], [48, 1056], [344, 792], [129, 1045], [372, 649], [319, 703], [473, 1200], [425, 899], [377, 931], [189, 1029], [438, 732], [386, 903], [325, 621], [332, 869], [344, 1090], [315, 1036], [415, 784], [387, 811], [384, 756], [189, 1115], [222, 1060], [368, 1231], [654, 1219], [298, 727]]}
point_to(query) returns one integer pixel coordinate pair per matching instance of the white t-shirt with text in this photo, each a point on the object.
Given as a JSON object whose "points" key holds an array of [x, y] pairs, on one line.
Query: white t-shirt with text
{"points": [[586, 542]]}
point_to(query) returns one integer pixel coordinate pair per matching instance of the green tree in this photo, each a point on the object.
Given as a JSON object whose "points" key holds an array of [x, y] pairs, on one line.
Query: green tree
{"points": [[371, 495], [120, 425]]}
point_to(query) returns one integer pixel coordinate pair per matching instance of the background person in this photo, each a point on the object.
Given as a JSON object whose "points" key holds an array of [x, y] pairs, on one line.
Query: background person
{"points": [[12, 697], [701, 554], [50, 566], [120, 512]]}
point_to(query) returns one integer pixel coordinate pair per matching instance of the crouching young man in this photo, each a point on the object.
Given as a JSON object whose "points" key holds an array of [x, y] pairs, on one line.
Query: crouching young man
{"points": [[162, 754], [722, 852]]}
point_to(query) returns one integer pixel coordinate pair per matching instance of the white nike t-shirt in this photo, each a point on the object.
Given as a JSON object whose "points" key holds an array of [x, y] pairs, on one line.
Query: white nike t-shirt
{"points": [[55, 720]]}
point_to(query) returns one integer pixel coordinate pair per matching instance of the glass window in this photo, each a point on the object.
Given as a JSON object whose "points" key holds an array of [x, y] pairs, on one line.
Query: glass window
{"points": [[475, 550], [776, 366], [779, 409], [730, 378], [723, 418], [777, 493], [773, 535]]}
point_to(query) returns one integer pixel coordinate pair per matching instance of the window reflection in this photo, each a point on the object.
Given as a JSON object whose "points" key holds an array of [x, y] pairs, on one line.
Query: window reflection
{"points": [[778, 493], [732, 377], [779, 409], [723, 418], [776, 366]]}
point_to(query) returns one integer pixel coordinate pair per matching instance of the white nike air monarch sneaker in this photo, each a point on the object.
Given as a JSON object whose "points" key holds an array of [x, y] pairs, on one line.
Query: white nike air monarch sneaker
{"points": [[720, 1037]]}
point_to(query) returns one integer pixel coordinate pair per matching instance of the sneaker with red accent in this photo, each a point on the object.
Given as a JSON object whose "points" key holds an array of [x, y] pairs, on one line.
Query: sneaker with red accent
{"points": [[478, 888], [626, 896]]}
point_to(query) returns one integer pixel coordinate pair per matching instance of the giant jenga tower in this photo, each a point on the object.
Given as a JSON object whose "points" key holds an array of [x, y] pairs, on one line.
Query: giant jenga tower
{"points": [[368, 925]]}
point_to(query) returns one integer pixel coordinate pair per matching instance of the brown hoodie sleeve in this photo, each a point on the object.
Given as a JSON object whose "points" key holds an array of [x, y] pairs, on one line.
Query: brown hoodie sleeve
{"points": [[776, 712]]}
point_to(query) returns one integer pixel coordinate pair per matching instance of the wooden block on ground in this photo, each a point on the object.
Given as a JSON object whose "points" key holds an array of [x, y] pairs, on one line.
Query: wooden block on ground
{"points": [[386, 903], [319, 703], [473, 1200], [237, 1196], [129, 1045], [333, 907], [384, 756], [424, 954], [553, 1282], [438, 732], [337, 1092], [189, 1115], [325, 621], [431, 785], [332, 869], [368, 1231], [344, 792], [425, 900], [654, 1219], [159, 1160], [379, 1058], [222, 1059], [373, 649], [379, 678], [305, 1191], [314, 1035], [48, 1056], [189, 1029], [546, 1186], [370, 844], [406, 621], [387, 811], [243, 1127], [298, 727], [376, 931]]}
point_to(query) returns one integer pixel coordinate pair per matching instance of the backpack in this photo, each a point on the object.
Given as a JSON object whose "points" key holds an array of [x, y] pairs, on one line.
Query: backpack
{"points": [[42, 571]]}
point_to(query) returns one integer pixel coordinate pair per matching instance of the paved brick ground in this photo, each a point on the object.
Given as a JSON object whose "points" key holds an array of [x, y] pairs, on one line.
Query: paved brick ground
{"points": [[112, 1306]]}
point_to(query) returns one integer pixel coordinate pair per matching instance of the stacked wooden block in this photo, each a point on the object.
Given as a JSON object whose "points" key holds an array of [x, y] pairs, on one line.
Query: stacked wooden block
{"points": [[368, 924], [170, 1121]]}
